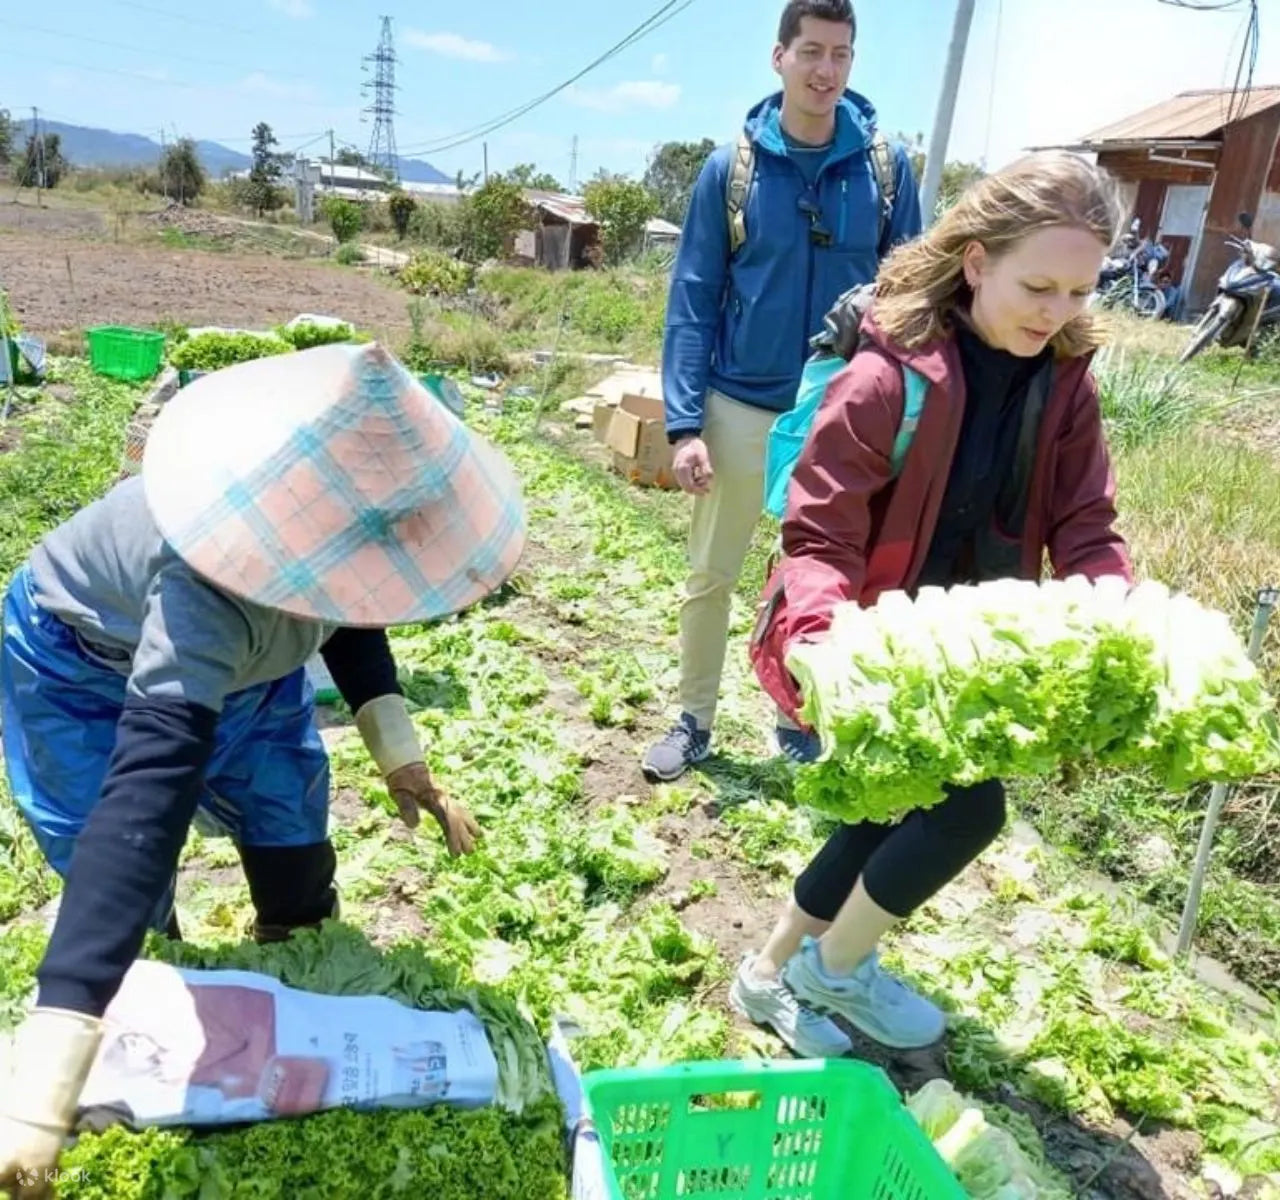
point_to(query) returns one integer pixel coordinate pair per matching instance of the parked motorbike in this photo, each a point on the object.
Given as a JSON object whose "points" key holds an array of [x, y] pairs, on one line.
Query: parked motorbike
{"points": [[1248, 298], [1127, 279]]}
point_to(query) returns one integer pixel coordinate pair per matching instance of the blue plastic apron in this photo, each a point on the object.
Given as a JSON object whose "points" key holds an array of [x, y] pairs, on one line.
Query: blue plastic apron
{"points": [[267, 783]]}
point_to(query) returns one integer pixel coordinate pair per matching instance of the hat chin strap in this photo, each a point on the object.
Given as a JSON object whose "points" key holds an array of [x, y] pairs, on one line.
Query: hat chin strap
{"points": [[388, 733]]}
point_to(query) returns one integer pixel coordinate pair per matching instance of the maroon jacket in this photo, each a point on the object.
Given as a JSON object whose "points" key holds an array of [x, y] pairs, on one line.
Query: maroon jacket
{"points": [[851, 533]]}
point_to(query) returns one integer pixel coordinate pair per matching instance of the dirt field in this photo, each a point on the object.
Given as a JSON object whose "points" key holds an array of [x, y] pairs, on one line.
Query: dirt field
{"points": [[64, 272]]}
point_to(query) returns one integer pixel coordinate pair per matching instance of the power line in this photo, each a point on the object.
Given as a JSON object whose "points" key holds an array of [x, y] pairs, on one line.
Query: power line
{"points": [[665, 13], [183, 19], [991, 94], [142, 77], [1247, 63], [208, 62], [1206, 5]]}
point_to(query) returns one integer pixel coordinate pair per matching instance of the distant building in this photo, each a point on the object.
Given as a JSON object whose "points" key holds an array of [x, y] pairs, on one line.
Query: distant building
{"points": [[445, 193], [1189, 166], [661, 235], [563, 235]]}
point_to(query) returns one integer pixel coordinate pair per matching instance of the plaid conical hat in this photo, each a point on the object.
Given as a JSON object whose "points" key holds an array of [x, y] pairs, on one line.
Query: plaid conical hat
{"points": [[330, 484]]}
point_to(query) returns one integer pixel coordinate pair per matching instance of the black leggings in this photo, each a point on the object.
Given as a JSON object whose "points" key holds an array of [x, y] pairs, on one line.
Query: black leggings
{"points": [[903, 865]]}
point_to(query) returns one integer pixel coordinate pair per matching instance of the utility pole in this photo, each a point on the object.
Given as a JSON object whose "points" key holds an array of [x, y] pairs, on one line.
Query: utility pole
{"points": [[37, 140], [331, 166], [946, 111], [486, 162], [573, 168], [164, 178]]}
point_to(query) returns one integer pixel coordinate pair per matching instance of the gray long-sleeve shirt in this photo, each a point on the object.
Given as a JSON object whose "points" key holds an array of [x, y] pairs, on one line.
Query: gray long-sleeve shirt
{"points": [[110, 575]]}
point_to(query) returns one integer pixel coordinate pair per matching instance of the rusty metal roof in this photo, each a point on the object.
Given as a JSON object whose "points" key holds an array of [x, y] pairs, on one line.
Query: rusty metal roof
{"points": [[568, 208], [1188, 116]]}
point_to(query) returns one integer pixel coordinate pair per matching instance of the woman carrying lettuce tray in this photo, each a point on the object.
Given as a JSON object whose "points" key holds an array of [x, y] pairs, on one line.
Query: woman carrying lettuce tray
{"points": [[1008, 463], [152, 667]]}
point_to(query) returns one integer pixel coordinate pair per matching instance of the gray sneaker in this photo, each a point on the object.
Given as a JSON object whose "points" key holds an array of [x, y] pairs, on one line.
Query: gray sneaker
{"points": [[870, 999], [771, 1003], [682, 746]]}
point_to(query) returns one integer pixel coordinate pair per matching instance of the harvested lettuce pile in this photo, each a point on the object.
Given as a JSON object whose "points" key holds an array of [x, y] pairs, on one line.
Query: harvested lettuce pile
{"points": [[513, 1150], [1014, 678], [991, 1161]]}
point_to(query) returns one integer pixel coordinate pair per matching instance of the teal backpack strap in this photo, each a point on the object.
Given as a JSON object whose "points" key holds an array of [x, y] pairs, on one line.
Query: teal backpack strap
{"points": [[914, 387], [790, 430]]}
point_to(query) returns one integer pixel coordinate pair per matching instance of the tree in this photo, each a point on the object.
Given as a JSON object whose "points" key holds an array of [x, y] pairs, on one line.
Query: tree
{"points": [[263, 195], [623, 207], [401, 206], [348, 157], [672, 172], [6, 137], [492, 216], [526, 175], [956, 176], [41, 163], [345, 218], [182, 175]]}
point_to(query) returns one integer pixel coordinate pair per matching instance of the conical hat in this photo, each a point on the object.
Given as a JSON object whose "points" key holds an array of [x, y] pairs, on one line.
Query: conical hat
{"points": [[330, 484]]}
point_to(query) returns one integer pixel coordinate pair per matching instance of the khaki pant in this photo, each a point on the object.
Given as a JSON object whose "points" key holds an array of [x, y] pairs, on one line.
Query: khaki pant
{"points": [[720, 534]]}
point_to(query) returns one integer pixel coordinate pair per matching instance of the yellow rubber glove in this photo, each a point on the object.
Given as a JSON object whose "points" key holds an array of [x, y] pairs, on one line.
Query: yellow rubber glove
{"points": [[49, 1061]]}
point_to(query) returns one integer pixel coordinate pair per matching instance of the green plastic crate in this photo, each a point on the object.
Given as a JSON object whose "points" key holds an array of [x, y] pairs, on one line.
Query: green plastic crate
{"points": [[125, 353], [825, 1129]]}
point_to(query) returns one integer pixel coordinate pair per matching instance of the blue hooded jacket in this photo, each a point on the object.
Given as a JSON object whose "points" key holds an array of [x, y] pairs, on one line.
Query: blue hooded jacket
{"points": [[742, 325]]}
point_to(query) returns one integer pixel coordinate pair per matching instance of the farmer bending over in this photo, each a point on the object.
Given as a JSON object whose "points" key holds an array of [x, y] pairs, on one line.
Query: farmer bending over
{"points": [[1008, 462], [152, 667]]}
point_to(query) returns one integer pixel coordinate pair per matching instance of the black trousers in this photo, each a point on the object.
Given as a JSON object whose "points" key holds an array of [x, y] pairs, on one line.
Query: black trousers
{"points": [[291, 886], [903, 865]]}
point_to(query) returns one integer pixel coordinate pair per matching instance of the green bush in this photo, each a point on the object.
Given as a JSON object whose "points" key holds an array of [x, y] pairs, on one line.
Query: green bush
{"points": [[610, 314], [437, 223], [433, 273], [212, 351], [477, 348], [348, 255], [401, 207], [344, 217]]}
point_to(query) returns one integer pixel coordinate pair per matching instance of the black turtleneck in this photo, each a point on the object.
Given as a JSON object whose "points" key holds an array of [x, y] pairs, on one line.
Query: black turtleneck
{"points": [[996, 384]]}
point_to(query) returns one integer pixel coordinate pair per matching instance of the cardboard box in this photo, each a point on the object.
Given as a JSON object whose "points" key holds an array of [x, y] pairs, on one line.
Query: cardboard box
{"points": [[636, 432]]}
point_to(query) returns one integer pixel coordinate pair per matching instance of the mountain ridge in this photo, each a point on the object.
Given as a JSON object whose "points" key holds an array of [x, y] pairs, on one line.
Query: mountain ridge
{"points": [[89, 146]]}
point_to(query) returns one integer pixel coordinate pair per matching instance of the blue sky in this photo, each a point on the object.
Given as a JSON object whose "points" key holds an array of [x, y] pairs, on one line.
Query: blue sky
{"points": [[210, 71]]}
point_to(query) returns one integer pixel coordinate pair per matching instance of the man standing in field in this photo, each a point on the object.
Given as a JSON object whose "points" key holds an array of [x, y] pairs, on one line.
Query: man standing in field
{"points": [[801, 209]]}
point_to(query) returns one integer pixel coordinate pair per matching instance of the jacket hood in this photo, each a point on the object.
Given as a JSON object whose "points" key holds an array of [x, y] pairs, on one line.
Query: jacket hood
{"points": [[929, 360], [855, 124]]}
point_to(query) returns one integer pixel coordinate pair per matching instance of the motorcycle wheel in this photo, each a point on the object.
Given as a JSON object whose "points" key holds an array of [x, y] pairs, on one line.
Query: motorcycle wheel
{"points": [[1211, 325], [1149, 302]]}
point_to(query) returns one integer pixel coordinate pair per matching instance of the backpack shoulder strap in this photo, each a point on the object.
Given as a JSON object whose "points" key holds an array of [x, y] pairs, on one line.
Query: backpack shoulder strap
{"points": [[741, 166], [914, 388], [886, 170]]}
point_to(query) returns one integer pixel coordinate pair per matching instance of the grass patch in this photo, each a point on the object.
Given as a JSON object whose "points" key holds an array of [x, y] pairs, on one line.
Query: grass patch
{"points": [[1125, 826], [1203, 514], [1144, 399], [69, 453], [617, 310]]}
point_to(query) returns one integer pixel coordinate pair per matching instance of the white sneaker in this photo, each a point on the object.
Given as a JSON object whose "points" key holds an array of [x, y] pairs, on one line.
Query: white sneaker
{"points": [[769, 1002], [870, 999]]}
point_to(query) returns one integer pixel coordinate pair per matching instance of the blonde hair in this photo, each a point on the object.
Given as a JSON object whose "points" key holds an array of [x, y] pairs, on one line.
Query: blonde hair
{"points": [[922, 284]]}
